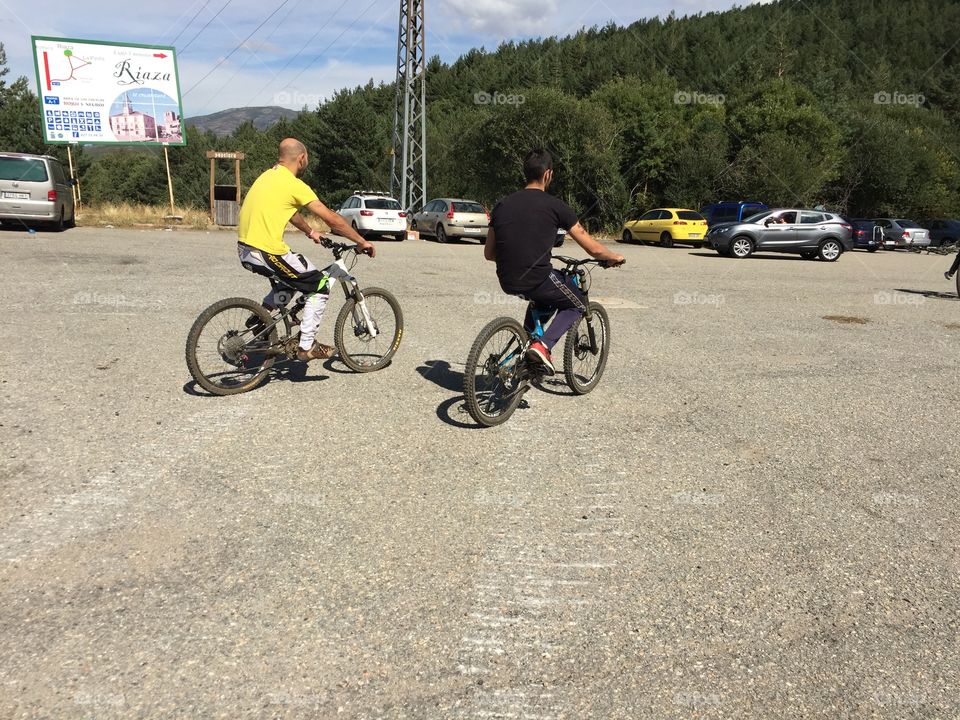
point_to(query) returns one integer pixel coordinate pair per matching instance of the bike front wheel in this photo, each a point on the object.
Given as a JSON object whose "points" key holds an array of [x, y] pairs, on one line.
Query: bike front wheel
{"points": [[231, 346], [491, 380], [363, 348], [586, 348]]}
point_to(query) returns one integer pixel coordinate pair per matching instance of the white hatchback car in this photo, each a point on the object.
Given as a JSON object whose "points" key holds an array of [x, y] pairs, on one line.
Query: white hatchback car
{"points": [[374, 214]]}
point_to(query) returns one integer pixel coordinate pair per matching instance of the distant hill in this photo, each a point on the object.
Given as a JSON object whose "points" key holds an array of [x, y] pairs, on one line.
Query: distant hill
{"points": [[226, 121]]}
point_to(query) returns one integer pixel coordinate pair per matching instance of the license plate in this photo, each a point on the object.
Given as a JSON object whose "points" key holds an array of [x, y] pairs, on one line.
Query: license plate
{"points": [[694, 236], [474, 229], [16, 196]]}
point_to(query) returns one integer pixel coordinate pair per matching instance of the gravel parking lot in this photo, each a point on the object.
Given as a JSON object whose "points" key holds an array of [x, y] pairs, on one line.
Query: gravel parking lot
{"points": [[754, 515]]}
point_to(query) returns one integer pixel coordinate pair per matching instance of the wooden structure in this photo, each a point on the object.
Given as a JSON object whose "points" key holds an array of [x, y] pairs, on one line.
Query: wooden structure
{"points": [[224, 199]]}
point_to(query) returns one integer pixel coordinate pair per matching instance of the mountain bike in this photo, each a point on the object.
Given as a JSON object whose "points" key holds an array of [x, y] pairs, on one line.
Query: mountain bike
{"points": [[235, 342], [498, 373]]}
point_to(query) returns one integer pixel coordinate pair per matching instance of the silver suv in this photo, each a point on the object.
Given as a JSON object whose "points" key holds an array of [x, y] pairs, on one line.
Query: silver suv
{"points": [[34, 189], [809, 233], [375, 214]]}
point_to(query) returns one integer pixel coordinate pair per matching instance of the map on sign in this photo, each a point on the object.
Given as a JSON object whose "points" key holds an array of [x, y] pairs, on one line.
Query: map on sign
{"points": [[101, 92]]}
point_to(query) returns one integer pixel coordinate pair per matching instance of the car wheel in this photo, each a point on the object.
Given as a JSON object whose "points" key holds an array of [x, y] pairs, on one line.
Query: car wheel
{"points": [[666, 240], [697, 246], [627, 237], [873, 249], [441, 234], [356, 229], [60, 225], [72, 222], [413, 224], [830, 250], [741, 247]]}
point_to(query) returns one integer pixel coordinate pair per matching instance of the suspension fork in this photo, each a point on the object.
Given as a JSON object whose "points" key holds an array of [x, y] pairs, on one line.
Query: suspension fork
{"points": [[352, 290], [591, 333]]}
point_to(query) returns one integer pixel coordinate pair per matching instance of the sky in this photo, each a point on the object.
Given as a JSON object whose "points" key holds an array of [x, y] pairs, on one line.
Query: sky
{"points": [[296, 53]]}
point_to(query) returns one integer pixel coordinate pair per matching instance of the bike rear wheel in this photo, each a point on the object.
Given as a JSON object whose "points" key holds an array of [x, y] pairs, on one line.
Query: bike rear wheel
{"points": [[359, 350], [226, 356], [491, 382], [586, 348]]}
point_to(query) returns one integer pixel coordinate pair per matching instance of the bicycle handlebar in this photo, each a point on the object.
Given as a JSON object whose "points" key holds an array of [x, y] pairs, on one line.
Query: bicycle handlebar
{"points": [[338, 248], [573, 262]]}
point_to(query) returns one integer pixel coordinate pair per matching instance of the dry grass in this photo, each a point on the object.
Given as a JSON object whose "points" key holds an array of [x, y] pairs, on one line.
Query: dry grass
{"points": [[155, 216], [135, 215]]}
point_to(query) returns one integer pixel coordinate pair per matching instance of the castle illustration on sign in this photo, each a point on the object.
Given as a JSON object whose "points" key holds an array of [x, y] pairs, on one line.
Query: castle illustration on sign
{"points": [[130, 125]]}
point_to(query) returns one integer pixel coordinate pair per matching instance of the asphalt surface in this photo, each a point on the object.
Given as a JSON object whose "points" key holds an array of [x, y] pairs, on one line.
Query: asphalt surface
{"points": [[753, 515]]}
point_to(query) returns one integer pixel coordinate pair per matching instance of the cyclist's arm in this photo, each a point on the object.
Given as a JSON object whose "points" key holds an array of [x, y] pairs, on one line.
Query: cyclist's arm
{"points": [[301, 224], [339, 226], [592, 247], [490, 247]]}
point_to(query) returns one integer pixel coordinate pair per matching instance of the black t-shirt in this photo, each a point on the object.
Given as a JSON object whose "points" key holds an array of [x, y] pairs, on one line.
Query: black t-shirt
{"points": [[525, 225]]}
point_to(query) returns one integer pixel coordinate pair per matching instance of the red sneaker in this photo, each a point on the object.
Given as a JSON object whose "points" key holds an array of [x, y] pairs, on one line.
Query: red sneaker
{"points": [[538, 352]]}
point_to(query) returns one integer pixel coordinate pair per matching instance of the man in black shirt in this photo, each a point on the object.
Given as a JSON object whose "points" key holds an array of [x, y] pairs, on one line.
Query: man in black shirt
{"points": [[523, 229]]}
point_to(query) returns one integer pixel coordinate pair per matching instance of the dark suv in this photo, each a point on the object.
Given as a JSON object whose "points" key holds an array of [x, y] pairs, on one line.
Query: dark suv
{"points": [[723, 212], [809, 233]]}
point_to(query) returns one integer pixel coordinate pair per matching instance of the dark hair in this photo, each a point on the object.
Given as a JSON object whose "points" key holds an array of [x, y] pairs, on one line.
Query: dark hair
{"points": [[536, 164]]}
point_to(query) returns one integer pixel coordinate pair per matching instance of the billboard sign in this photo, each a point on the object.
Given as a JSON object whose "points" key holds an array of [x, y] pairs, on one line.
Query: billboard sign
{"points": [[104, 92]]}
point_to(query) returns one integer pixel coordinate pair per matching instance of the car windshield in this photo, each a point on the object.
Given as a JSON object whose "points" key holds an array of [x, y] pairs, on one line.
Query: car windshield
{"points": [[382, 204], [22, 169], [463, 206], [689, 215], [906, 223]]}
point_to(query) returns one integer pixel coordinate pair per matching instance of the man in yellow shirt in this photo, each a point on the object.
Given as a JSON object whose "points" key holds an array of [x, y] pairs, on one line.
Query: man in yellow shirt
{"points": [[275, 199]]}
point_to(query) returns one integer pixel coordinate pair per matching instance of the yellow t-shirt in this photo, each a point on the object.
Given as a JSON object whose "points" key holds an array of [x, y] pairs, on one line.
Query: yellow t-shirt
{"points": [[270, 203]]}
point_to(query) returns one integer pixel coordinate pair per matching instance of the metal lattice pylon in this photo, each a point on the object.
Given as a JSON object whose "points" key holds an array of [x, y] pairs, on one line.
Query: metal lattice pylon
{"points": [[409, 171]]}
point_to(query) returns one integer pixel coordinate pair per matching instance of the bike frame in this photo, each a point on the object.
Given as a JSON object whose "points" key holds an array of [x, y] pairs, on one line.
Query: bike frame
{"points": [[539, 316]]}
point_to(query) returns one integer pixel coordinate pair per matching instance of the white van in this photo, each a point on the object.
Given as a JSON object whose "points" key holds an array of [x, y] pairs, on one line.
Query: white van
{"points": [[35, 189]]}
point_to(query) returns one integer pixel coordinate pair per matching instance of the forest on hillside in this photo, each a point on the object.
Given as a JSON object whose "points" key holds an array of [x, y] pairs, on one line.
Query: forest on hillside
{"points": [[851, 103]]}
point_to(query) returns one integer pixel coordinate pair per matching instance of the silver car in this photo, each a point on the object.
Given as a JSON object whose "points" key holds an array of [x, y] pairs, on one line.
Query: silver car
{"points": [[902, 233], [808, 233], [445, 218], [35, 189]]}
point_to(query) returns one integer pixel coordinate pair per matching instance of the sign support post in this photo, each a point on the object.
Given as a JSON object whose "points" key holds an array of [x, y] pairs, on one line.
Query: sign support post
{"points": [[166, 159]]}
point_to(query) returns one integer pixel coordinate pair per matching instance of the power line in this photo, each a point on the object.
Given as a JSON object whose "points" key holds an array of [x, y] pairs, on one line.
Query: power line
{"points": [[206, 25], [183, 29], [254, 54], [304, 47], [238, 46]]}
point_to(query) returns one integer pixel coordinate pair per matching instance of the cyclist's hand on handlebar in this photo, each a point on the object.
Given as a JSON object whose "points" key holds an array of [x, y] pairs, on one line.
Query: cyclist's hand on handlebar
{"points": [[613, 261], [366, 248]]}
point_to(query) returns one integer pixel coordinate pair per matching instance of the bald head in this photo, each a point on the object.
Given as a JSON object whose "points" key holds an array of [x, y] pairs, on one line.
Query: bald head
{"points": [[291, 149], [293, 156]]}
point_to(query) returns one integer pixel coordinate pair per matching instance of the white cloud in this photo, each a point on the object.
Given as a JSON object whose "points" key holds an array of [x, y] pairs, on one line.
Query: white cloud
{"points": [[499, 18]]}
